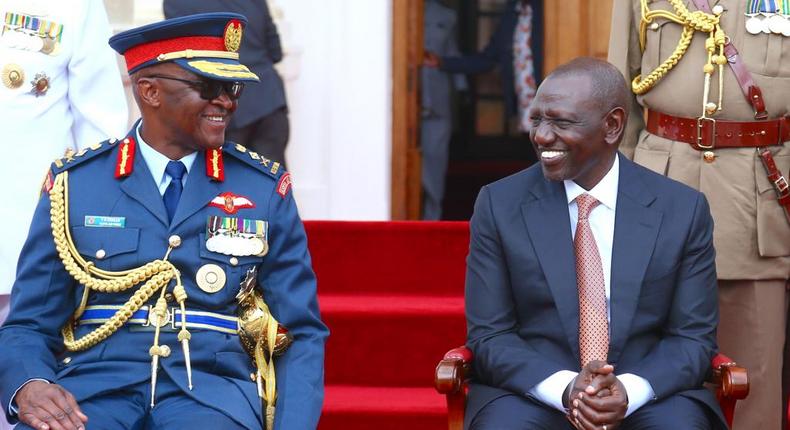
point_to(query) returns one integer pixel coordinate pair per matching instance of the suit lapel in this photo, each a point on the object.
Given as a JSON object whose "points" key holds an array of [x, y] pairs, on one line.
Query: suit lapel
{"points": [[548, 223], [635, 233], [140, 186], [198, 192]]}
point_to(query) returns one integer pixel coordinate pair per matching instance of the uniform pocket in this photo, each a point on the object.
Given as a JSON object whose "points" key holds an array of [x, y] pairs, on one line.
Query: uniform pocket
{"points": [[657, 161], [108, 248], [773, 229]]}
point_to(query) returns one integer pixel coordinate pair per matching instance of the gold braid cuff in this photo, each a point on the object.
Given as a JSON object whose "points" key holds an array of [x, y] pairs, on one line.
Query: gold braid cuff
{"points": [[156, 274]]}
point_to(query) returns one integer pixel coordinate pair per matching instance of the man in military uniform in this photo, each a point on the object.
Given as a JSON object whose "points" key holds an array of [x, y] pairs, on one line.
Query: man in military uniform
{"points": [[714, 80], [124, 310]]}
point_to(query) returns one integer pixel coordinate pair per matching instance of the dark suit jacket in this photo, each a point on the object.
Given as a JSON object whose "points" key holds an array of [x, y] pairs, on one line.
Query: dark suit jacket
{"points": [[521, 296], [499, 52], [260, 51]]}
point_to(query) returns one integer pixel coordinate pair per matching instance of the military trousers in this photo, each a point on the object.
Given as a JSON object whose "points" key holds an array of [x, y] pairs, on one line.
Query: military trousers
{"points": [[753, 332]]}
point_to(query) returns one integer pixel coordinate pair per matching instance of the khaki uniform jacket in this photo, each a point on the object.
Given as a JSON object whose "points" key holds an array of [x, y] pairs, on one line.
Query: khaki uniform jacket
{"points": [[752, 235]]}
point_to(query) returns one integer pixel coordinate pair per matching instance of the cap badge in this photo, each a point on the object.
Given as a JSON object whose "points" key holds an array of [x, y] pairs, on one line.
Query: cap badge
{"points": [[233, 36]]}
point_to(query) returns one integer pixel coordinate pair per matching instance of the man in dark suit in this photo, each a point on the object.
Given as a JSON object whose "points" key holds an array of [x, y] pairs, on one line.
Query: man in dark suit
{"points": [[261, 121], [591, 282]]}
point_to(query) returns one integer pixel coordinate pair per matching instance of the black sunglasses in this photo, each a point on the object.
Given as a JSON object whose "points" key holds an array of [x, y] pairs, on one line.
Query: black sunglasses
{"points": [[209, 89]]}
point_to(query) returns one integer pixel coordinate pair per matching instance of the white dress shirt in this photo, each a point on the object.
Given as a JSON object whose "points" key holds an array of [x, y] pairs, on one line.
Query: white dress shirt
{"points": [[157, 163], [638, 389]]}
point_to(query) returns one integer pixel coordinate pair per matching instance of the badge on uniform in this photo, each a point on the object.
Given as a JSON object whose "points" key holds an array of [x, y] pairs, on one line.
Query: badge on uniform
{"points": [[105, 221], [237, 236], [768, 16], [31, 33], [231, 203]]}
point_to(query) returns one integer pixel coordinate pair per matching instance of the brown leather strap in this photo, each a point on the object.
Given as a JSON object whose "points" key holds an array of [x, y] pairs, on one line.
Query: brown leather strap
{"points": [[711, 133], [777, 180], [751, 91]]}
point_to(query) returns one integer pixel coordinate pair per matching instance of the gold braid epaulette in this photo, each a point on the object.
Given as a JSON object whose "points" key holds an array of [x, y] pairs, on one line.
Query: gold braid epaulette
{"points": [[691, 22], [157, 275]]}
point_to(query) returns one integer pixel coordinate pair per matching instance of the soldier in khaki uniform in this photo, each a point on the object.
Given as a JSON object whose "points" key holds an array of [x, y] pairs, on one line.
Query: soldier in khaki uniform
{"points": [[752, 233]]}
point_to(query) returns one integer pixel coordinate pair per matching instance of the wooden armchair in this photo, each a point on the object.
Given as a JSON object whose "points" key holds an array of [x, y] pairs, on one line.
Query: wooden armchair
{"points": [[452, 374]]}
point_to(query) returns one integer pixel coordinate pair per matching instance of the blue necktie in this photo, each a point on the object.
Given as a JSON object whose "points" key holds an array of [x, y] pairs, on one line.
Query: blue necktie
{"points": [[176, 171]]}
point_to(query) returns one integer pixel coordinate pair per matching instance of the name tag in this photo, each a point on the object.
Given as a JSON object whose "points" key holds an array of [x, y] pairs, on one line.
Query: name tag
{"points": [[105, 221]]}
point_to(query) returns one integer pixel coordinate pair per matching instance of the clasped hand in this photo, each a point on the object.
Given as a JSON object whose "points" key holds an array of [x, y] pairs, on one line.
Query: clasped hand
{"points": [[597, 400]]}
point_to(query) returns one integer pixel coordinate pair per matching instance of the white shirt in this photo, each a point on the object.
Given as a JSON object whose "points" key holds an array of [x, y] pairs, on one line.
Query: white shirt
{"points": [[84, 105], [638, 389], [157, 163]]}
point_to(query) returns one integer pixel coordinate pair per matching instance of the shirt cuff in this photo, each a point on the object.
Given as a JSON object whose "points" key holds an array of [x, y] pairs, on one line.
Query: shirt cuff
{"points": [[638, 390], [550, 390], [12, 408]]}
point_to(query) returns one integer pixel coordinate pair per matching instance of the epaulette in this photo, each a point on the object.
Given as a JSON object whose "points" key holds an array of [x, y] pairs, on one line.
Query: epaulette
{"points": [[259, 162], [263, 164], [71, 158]]}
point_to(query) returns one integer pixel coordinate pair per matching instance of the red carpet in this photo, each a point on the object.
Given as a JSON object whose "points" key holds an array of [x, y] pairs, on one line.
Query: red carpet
{"points": [[392, 296]]}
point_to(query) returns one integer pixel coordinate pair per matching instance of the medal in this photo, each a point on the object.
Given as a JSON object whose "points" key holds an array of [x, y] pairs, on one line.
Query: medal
{"points": [[776, 23], [34, 43], [40, 84], [784, 25], [210, 278], [47, 46], [786, 28], [764, 24], [13, 76], [754, 25], [237, 236]]}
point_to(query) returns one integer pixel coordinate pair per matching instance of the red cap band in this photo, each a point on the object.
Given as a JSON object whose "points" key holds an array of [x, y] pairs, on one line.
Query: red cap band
{"points": [[148, 51]]}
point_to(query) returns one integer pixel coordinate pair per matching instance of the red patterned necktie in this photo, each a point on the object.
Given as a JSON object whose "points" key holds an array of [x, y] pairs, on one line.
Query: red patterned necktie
{"points": [[593, 321]]}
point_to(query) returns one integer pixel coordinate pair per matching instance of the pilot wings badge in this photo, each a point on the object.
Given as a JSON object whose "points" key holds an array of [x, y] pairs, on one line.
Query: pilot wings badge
{"points": [[231, 203]]}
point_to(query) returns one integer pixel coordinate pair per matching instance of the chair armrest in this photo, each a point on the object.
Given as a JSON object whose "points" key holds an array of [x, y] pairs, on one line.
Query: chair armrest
{"points": [[731, 384], [732, 381], [452, 371], [451, 379]]}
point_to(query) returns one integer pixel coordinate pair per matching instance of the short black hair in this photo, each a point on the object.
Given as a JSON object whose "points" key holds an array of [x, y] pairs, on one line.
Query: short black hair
{"points": [[609, 89]]}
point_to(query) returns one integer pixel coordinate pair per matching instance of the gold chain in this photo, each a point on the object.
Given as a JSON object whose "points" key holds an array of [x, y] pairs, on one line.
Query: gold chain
{"points": [[157, 275], [691, 22]]}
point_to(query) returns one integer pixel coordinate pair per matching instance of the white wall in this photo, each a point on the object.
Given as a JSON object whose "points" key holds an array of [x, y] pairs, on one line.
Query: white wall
{"points": [[338, 78]]}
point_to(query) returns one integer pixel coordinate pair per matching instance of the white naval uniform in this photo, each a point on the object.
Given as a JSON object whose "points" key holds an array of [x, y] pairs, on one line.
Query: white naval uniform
{"points": [[85, 104]]}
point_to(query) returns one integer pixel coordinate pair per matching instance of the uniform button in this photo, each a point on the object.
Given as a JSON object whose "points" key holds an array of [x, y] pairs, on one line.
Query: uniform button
{"points": [[234, 261], [252, 376], [165, 350], [174, 241], [67, 360], [169, 297], [718, 9], [101, 254], [709, 156], [654, 26]]}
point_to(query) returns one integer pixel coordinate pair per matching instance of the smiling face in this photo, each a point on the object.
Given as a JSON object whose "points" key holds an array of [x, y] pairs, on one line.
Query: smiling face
{"points": [[573, 136], [177, 121]]}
